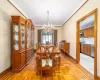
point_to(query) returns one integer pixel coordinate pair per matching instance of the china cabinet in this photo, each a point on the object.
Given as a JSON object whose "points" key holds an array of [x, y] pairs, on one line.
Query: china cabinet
{"points": [[18, 43], [22, 42], [29, 39]]}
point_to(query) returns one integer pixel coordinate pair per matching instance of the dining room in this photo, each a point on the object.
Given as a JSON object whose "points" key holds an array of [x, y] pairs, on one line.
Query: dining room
{"points": [[49, 40]]}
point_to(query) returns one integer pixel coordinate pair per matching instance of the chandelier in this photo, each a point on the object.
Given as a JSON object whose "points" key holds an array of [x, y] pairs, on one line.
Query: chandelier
{"points": [[48, 27]]}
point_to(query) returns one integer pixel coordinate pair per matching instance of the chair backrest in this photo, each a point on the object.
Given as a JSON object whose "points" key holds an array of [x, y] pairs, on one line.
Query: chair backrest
{"points": [[43, 51], [51, 50], [39, 58], [48, 52]]}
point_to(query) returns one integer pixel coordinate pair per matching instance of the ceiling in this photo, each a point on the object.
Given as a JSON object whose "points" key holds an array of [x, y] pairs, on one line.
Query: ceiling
{"points": [[59, 10]]}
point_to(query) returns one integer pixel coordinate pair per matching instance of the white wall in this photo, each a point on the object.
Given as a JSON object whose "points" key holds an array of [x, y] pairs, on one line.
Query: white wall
{"points": [[59, 34], [5, 41], [6, 10], [69, 28]]}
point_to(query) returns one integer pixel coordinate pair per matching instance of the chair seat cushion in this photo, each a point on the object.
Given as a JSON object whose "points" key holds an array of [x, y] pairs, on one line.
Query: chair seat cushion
{"points": [[44, 62]]}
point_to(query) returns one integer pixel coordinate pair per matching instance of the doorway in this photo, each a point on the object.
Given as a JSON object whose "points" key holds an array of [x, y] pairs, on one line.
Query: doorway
{"points": [[86, 42]]}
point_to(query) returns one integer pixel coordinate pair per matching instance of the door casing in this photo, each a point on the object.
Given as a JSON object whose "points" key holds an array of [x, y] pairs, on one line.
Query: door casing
{"points": [[95, 39]]}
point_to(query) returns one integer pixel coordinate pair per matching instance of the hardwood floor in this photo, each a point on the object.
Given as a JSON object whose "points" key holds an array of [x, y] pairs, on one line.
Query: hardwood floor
{"points": [[68, 71]]}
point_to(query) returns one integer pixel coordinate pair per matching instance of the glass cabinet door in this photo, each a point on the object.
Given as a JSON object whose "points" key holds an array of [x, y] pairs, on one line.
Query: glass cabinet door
{"points": [[28, 36], [22, 36], [32, 38], [15, 36]]}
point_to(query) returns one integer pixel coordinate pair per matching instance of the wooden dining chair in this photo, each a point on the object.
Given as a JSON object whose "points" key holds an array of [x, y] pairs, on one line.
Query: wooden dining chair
{"points": [[47, 63], [57, 62], [57, 59], [44, 54], [39, 64]]}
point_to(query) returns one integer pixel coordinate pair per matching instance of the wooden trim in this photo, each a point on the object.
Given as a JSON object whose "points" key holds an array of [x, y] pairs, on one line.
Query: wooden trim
{"points": [[72, 58], [95, 42], [98, 78], [92, 12], [18, 70], [16, 8], [86, 72], [95, 39], [77, 43], [4, 72], [76, 11]]}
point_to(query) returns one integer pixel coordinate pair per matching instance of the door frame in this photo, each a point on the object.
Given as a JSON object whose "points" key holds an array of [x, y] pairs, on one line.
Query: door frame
{"points": [[95, 12]]}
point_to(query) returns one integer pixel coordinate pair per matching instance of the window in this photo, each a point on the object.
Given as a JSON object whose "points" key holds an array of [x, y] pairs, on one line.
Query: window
{"points": [[47, 37]]}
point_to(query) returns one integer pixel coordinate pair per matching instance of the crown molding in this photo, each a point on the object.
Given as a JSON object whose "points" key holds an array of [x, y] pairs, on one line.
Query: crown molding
{"points": [[79, 7], [20, 10]]}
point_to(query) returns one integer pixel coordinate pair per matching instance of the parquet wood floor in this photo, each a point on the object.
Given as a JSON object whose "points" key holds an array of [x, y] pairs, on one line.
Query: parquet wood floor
{"points": [[68, 71]]}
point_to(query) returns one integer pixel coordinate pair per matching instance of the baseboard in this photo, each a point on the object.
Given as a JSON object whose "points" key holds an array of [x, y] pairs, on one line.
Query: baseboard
{"points": [[98, 78], [88, 74], [72, 58], [18, 70], [5, 71]]}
